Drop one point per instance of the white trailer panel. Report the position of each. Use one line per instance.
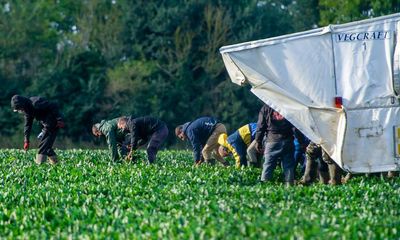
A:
(301, 74)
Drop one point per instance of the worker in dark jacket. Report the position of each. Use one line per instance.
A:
(116, 138)
(279, 135)
(49, 116)
(203, 134)
(238, 144)
(142, 130)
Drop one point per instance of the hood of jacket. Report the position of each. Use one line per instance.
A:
(185, 126)
(21, 103)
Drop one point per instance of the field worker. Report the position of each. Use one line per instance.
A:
(203, 134)
(116, 138)
(143, 130)
(238, 144)
(49, 116)
(300, 153)
(335, 172)
(278, 141)
(328, 170)
(314, 167)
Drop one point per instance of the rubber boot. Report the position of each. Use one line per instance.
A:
(40, 158)
(309, 173)
(210, 161)
(391, 174)
(289, 177)
(324, 177)
(257, 164)
(198, 163)
(253, 165)
(334, 174)
(347, 178)
(53, 160)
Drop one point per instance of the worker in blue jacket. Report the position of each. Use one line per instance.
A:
(203, 134)
(239, 145)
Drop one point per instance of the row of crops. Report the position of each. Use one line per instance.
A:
(87, 196)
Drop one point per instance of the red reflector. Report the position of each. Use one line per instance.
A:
(338, 102)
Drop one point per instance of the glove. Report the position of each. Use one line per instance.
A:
(26, 145)
(259, 147)
(130, 157)
(60, 124)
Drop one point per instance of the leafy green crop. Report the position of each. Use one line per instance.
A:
(87, 196)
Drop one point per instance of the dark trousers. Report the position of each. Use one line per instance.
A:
(314, 153)
(156, 140)
(47, 140)
(325, 166)
(314, 164)
(299, 158)
(283, 150)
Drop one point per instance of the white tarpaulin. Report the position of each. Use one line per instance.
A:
(299, 75)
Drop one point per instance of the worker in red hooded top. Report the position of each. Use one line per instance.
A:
(49, 116)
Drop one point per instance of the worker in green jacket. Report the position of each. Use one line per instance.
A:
(114, 136)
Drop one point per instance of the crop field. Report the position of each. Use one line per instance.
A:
(86, 196)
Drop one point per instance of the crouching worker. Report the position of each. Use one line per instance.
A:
(203, 134)
(49, 116)
(240, 145)
(143, 130)
(116, 138)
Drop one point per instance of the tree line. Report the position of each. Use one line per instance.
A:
(101, 59)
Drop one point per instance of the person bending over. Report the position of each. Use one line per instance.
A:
(203, 134)
(116, 138)
(240, 144)
(143, 129)
(48, 114)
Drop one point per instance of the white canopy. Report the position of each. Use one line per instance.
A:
(299, 75)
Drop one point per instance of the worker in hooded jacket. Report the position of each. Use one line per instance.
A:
(50, 118)
(117, 139)
(240, 144)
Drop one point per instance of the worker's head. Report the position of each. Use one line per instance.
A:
(180, 133)
(96, 130)
(223, 151)
(122, 122)
(18, 103)
(223, 145)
